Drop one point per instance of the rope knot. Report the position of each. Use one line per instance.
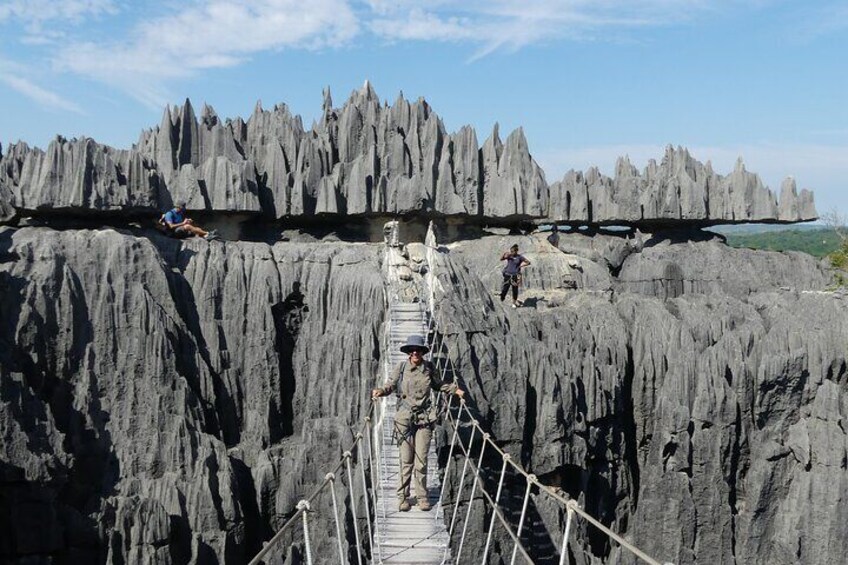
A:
(507, 457)
(347, 455)
(330, 477)
(358, 436)
(304, 505)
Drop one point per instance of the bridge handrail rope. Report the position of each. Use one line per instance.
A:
(304, 506)
(444, 355)
(369, 437)
(496, 512)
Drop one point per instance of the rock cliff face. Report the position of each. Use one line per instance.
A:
(693, 401)
(157, 401)
(170, 401)
(370, 159)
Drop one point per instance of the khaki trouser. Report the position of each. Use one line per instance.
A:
(414, 445)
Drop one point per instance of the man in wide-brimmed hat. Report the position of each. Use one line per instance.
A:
(413, 380)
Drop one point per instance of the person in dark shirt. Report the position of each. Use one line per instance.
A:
(180, 226)
(553, 238)
(512, 273)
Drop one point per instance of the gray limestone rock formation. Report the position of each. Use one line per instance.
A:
(362, 159)
(159, 402)
(678, 190)
(7, 211)
(371, 159)
(687, 420)
(80, 177)
(172, 401)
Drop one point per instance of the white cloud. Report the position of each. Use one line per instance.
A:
(420, 25)
(205, 36)
(35, 12)
(513, 24)
(41, 95)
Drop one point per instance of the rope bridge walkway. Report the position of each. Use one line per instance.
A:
(383, 534)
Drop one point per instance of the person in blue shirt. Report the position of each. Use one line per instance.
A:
(512, 273)
(179, 225)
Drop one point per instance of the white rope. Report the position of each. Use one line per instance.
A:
(471, 498)
(447, 358)
(332, 480)
(547, 490)
(303, 505)
(447, 465)
(461, 484)
(564, 549)
(365, 495)
(277, 538)
(431, 342)
(347, 456)
(381, 463)
(491, 503)
(374, 485)
(497, 499)
(521, 520)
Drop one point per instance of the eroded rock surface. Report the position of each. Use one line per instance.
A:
(155, 407)
(170, 402)
(369, 158)
(683, 411)
(679, 189)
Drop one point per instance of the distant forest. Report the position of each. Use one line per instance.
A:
(817, 242)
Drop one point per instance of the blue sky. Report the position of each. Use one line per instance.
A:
(589, 80)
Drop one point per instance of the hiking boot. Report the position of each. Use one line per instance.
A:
(404, 506)
(424, 505)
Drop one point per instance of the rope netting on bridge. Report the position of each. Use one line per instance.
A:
(467, 434)
(352, 462)
(464, 418)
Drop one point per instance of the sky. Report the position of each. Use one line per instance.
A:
(588, 80)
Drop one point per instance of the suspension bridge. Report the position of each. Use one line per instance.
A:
(367, 473)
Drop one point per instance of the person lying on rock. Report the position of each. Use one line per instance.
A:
(512, 273)
(412, 380)
(178, 225)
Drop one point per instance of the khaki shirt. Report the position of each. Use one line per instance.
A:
(415, 389)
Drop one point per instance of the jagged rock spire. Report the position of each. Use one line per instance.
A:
(368, 157)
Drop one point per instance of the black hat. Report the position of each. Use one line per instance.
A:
(414, 342)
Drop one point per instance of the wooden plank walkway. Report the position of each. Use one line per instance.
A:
(412, 537)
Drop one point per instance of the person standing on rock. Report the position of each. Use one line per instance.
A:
(512, 273)
(553, 238)
(180, 226)
(412, 380)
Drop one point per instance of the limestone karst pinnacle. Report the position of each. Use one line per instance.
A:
(368, 159)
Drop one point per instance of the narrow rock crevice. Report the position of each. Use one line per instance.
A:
(631, 450)
(288, 320)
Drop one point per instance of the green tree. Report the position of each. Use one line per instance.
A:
(839, 258)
